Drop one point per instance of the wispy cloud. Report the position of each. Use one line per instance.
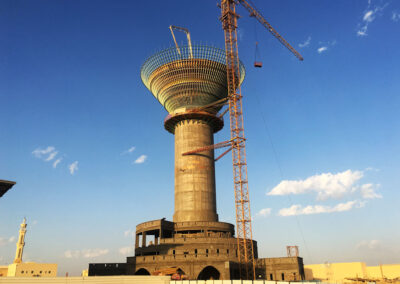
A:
(129, 233)
(39, 153)
(85, 253)
(328, 185)
(372, 169)
(73, 167)
(48, 154)
(326, 45)
(369, 15)
(395, 16)
(129, 151)
(141, 159)
(322, 49)
(5, 241)
(368, 191)
(56, 162)
(240, 33)
(318, 209)
(126, 250)
(305, 43)
(51, 156)
(372, 244)
(264, 212)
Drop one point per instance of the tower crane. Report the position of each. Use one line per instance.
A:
(242, 201)
(237, 142)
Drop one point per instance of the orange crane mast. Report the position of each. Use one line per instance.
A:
(242, 200)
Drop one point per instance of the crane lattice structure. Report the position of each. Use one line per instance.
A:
(242, 200)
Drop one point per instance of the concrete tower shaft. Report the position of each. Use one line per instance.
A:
(194, 174)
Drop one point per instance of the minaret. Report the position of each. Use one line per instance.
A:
(20, 243)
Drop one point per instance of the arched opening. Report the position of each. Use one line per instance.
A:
(178, 274)
(209, 273)
(142, 271)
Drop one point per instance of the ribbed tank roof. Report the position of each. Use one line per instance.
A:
(188, 78)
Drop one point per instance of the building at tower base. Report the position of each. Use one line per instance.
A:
(209, 251)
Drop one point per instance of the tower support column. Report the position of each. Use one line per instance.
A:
(195, 197)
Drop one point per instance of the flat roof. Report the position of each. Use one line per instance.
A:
(5, 185)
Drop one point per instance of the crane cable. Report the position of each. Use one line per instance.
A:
(257, 56)
(281, 174)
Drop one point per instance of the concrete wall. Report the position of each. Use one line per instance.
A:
(238, 282)
(3, 270)
(133, 280)
(32, 269)
(280, 268)
(389, 271)
(338, 272)
(88, 280)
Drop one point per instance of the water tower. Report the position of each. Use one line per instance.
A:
(189, 81)
(185, 80)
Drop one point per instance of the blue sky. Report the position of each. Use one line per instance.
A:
(323, 134)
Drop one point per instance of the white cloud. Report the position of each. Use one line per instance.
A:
(368, 191)
(48, 154)
(85, 253)
(305, 43)
(34, 222)
(326, 185)
(5, 241)
(56, 162)
(322, 49)
(73, 167)
(372, 169)
(264, 212)
(368, 17)
(372, 244)
(129, 233)
(126, 250)
(51, 156)
(39, 153)
(141, 159)
(129, 151)
(240, 33)
(395, 16)
(318, 209)
(89, 253)
(362, 31)
(72, 254)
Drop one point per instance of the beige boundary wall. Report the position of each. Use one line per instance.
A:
(238, 282)
(87, 280)
(131, 280)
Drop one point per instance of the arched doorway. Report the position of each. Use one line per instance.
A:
(142, 271)
(178, 274)
(209, 273)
